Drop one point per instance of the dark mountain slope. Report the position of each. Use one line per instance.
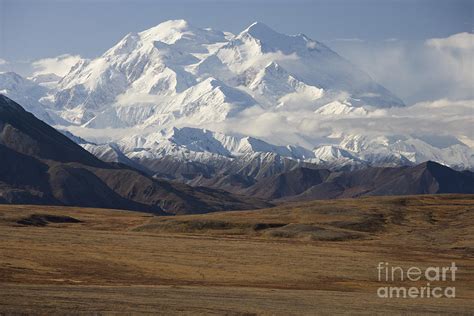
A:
(289, 183)
(22, 132)
(426, 178)
(39, 165)
(449, 180)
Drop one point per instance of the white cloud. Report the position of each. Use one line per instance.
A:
(461, 41)
(418, 71)
(260, 61)
(311, 44)
(440, 118)
(456, 56)
(3, 62)
(436, 120)
(59, 65)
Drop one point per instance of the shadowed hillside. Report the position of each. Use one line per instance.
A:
(42, 166)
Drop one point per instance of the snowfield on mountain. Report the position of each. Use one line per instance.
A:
(202, 95)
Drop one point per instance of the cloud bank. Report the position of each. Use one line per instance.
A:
(417, 71)
(59, 65)
(443, 118)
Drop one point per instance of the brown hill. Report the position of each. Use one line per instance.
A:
(426, 178)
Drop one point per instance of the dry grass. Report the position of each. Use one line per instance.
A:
(297, 259)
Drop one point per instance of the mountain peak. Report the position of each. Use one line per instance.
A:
(262, 32)
(270, 40)
(168, 32)
(178, 24)
(10, 75)
(183, 34)
(258, 28)
(125, 46)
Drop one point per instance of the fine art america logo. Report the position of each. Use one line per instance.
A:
(435, 281)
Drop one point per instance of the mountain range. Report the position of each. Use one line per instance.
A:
(309, 184)
(40, 165)
(180, 102)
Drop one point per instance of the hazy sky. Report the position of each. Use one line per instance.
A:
(374, 34)
(36, 29)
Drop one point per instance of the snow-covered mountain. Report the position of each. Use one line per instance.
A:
(171, 91)
(402, 150)
(27, 93)
(175, 73)
(184, 142)
(184, 145)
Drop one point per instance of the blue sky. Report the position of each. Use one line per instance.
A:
(34, 29)
(389, 39)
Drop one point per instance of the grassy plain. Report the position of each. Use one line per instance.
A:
(294, 259)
